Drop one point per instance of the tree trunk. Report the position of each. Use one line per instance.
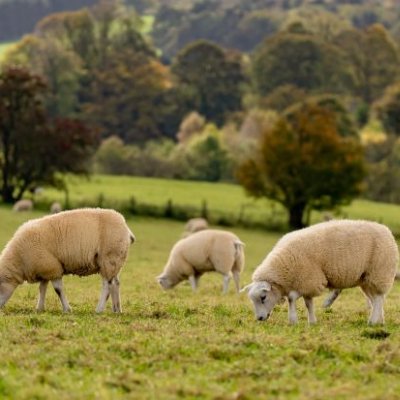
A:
(296, 212)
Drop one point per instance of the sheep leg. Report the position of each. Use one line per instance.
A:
(293, 296)
(310, 308)
(5, 293)
(194, 282)
(377, 316)
(113, 287)
(227, 279)
(236, 279)
(59, 289)
(42, 295)
(333, 295)
(105, 294)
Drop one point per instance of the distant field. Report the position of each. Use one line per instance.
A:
(222, 199)
(180, 345)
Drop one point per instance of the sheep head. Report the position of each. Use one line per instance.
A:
(264, 297)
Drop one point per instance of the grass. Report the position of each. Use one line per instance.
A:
(222, 199)
(180, 345)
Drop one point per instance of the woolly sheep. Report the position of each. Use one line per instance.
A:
(204, 251)
(79, 242)
(23, 205)
(55, 207)
(194, 225)
(336, 254)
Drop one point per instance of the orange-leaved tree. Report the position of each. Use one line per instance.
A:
(304, 164)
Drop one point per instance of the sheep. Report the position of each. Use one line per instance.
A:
(79, 242)
(23, 205)
(55, 207)
(336, 254)
(204, 251)
(194, 225)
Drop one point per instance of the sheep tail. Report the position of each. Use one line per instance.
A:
(239, 255)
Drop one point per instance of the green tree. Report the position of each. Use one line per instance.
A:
(372, 58)
(296, 58)
(34, 149)
(122, 96)
(60, 67)
(304, 164)
(213, 76)
(388, 109)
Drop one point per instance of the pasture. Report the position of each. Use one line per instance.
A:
(177, 344)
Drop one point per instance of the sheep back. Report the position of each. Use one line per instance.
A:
(334, 254)
(80, 242)
(23, 205)
(207, 250)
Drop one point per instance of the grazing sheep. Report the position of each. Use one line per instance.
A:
(79, 242)
(335, 255)
(55, 207)
(204, 251)
(194, 225)
(23, 205)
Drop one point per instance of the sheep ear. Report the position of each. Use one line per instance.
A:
(247, 287)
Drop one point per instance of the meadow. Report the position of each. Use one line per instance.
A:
(183, 345)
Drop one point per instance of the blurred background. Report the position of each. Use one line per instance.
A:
(295, 100)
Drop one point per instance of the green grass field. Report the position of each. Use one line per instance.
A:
(181, 345)
(222, 199)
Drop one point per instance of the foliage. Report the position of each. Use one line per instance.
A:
(296, 58)
(206, 156)
(344, 124)
(192, 124)
(383, 180)
(121, 97)
(214, 76)
(63, 145)
(373, 60)
(304, 164)
(154, 159)
(60, 67)
(388, 109)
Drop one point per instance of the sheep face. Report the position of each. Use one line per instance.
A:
(165, 282)
(264, 298)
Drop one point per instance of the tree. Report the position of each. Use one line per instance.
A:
(214, 77)
(33, 148)
(296, 58)
(372, 58)
(60, 67)
(125, 97)
(305, 164)
(388, 109)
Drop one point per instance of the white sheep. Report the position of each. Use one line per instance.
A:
(55, 207)
(336, 254)
(204, 251)
(23, 205)
(79, 242)
(194, 225)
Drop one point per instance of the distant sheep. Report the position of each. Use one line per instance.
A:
(195, 225)
(23, 205)
(204, 251)
(80, 242)
(55, 207)
(335, 255)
